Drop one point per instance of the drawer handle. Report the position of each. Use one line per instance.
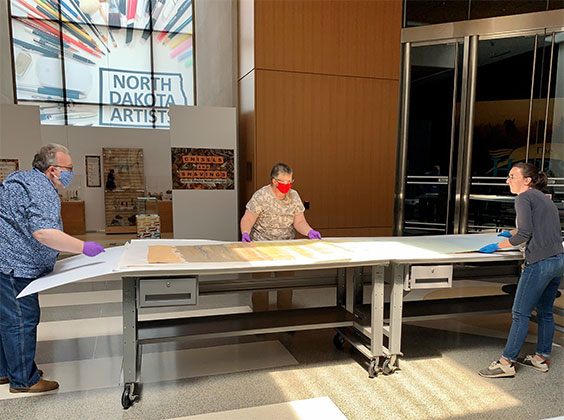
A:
(168, 296)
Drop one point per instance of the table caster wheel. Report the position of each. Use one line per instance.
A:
(373, 369)
(127, 397)
(338, 341)
(388, 367)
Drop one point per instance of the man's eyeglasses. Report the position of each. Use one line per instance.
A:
(69, 168)
(284, 182)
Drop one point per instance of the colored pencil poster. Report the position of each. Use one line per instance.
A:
(202, 169)
(118, 63)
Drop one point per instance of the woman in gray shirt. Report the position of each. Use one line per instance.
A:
(539, 229)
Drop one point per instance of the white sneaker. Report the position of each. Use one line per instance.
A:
(497, 370)
(531, 362)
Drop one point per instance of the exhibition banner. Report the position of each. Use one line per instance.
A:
(103, 62)
(202, 169)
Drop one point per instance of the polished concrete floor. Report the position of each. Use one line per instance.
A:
(297, 376)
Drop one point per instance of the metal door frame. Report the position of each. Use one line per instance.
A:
(401, 161)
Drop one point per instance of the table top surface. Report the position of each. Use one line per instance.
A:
(216, 257)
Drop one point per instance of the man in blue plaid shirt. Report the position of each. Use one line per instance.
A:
(31, 237)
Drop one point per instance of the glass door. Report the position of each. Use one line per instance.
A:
(552, 161)
(471, 107)
(434, 84)
(518, 117)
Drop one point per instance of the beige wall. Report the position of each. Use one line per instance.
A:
(216, 52)
(20, 133)
(6, 90)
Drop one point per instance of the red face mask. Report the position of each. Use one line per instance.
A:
(284, 188)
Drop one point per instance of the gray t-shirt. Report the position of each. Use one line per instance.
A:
(275, 218)
(538, 225)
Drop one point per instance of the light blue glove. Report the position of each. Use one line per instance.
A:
(488, 249)
(505, 234)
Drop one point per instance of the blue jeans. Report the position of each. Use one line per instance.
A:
(18, 332)
(537, 288)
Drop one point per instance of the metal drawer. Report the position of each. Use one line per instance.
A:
(177, 291)
(430, 276)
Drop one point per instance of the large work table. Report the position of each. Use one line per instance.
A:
(176, 272)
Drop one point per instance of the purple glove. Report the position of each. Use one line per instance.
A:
(91, 249)
(245, 237)
(313, 234)
(488, 249)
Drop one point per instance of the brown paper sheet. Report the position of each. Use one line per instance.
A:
(256, 251)
(162, 254)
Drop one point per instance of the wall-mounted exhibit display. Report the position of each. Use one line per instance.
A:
(7, 166)
(107, 63)
(93, 176)
(202, 169)
(124, 181)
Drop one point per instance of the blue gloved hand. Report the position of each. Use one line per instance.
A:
(91, 249)
(313, 234)
(245, 237)
(505, 234)
(488, 249)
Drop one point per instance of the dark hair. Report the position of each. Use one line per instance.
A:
(539, 180)
(280, 168)
(47, 156)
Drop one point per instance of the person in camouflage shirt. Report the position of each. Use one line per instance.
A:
(275, 212)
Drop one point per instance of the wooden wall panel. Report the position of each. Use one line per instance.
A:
(339, 134)
(344, 37)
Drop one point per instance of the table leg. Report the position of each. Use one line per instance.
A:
(396, 307)
(130, 361)
(377, 319)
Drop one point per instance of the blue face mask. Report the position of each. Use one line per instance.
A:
(66, 178)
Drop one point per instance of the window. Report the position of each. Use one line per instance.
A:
(118, 63)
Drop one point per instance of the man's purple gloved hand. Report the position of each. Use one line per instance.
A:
(91, 249)
(245, 237)
(313, 234)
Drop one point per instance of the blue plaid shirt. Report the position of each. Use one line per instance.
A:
(28, 202)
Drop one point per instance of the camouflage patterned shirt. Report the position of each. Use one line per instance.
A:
(275, 218)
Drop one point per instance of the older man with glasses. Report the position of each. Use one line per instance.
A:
(275, 212)
(31, 237)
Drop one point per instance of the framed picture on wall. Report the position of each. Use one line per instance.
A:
(93, 175)
(7, 166)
